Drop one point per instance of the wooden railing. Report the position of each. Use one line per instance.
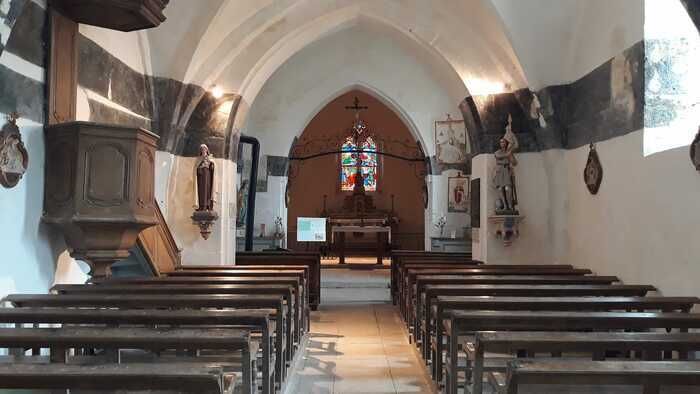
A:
(158, 246)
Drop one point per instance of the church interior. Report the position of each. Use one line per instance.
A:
(350, 196)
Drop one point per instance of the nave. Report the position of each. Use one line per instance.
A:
(187, 188)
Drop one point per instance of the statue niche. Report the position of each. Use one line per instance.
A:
(204, 215)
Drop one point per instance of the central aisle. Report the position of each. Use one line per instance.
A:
(358, 343)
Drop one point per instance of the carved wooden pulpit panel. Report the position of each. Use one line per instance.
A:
(99, 188)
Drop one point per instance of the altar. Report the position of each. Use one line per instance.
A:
(339, 231)
(360, 218)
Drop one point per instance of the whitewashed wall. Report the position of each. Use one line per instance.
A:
(34, 254)
(269, 205)
(174, 175)
(437, 207)
(32, 250)
(538, 230)
(219, 249)
(644, 223)
(132, 48)
(364, 57)
(560, 41)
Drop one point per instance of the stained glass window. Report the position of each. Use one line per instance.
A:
(368, 164)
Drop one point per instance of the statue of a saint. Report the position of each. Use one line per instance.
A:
(204, 185)
(504, 174)
(241, 203)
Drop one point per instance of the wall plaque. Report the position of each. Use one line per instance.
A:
(14, 158)
(593, 173)
(695, 151)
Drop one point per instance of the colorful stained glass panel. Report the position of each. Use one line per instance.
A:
(368, 164)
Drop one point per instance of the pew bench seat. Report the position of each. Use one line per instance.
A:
(178, 378)
(492, 351)
(232, 349)
(654, 377)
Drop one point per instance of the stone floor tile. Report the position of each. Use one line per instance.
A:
(358, 343)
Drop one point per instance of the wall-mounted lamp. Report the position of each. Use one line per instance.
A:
(217, 91)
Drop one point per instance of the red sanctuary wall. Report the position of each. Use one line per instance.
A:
(320, 176)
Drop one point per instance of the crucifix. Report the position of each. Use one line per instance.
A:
(356, 106)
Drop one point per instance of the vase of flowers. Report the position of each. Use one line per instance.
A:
(279, 230)
(440, 225)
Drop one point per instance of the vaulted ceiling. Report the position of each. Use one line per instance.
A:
(488, 43)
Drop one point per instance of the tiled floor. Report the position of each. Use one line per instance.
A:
(357, 342)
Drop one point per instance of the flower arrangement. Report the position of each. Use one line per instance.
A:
(440, 224)
(279, 231)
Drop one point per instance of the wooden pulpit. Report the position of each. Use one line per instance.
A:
(99, 189)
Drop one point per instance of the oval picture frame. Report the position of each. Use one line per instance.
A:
(593, 172)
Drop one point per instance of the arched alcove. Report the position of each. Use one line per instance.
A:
(312, 179)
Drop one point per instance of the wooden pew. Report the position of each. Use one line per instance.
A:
(398, 257)
(433, 327)
(500, 279)
(121, 320)
(403, 268)
(462, 323)
(293, 278)
(428, 293)
(310, 259)
(411, 271)
(651, 375)
(286, 291)
(534, 279)
(257, 270)
(31, 308)
(193, 378)
(61, 340)
(431, 292)
(593, 344)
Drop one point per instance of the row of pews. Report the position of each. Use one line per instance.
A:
(200, 329)
(543, 329)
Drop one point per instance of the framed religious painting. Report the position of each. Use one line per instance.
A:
(458, 194)
(450, 141)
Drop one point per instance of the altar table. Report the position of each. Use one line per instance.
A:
(342, 230)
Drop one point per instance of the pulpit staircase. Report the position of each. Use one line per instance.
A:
(155, 253)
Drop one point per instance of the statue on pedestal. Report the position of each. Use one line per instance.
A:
(504, 173)
(204, 215)
(204, 184)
